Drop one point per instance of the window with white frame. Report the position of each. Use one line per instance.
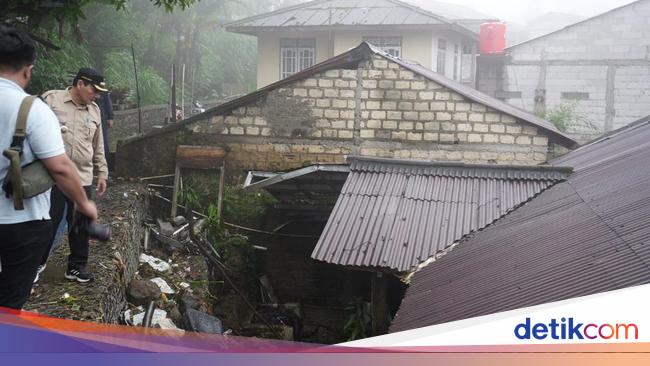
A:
(442, 56)
(390, 45)
(467, 63)
(296, 54)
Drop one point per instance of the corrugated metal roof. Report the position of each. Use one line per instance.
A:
(316, 184)
(587, 235)
(341, 12)
(395, 214)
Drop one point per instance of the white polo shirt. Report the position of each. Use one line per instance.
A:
(43, 141)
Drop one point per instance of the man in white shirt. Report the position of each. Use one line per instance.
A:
(26, 233)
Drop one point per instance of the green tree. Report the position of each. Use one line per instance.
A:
(54, 69)
(39, 12)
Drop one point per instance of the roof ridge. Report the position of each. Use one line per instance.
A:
(453, 164)
(421, 10)
(574, 24)
(274, 12)
(310, 3)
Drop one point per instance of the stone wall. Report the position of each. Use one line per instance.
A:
(600, 65)
(128, 246)
(380, 109)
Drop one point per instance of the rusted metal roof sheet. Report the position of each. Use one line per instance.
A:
(395, 214)
(587, 235)
(316, 184)
(339, 12)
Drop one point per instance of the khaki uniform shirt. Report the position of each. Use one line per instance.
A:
(82, 134)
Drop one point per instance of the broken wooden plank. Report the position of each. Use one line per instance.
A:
(199, 157)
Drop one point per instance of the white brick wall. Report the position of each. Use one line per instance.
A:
(618, 39)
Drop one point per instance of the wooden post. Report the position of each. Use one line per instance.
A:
(198, 157)
(183, 93)
(222, 173)
(378, 303)
(173, 93)
(177, 177)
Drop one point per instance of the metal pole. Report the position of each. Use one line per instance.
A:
(137, 90)
(177, 178)
(222, 174)
(192, 91)
(173, 93)
(183, 93)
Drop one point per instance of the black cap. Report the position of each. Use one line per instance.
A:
(92, 76)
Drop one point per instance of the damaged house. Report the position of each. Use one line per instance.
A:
(369, 104)
(391, 217)
(362, 102)
(584, 236)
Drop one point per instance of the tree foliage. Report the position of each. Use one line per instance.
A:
(567, 118)
(54, 69)
(100, 33)
(40, 12)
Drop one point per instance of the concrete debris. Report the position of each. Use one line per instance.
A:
(159, 318)
(179, 221)
(142, 292)
(188, 301)
(167, 240)
(201, 322)
(165, 227)
(162, 284)
(127, 317)
(155, 263)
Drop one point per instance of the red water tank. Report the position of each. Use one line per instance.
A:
(493, 38)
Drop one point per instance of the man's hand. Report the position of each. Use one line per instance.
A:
(88, 209)
(101, 187)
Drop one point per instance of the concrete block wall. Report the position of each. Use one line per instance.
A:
(606, 57)
(380, 110)
(622, 34)
(632, 93)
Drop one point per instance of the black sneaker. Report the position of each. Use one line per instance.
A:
(80, 276)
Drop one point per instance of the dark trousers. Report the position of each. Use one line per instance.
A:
(21, 249)
(107, 147)
(78, 239)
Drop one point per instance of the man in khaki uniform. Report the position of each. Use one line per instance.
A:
(80, 121)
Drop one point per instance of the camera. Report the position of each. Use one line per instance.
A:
(98, 231)
(95, 230)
